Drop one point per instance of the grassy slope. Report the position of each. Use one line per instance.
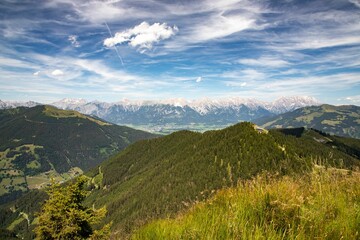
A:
(157, 178)
(338, 120)
(324, 204)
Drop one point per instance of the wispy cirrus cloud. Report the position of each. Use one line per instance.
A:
(264, 61)
(353, 99)
(355, 2)
(265, 48)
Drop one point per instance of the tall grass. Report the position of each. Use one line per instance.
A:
(323, 204)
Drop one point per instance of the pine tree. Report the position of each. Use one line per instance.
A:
(63, 215)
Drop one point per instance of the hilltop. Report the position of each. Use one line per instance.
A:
(156, 178)
(44, 142)
(337, 120)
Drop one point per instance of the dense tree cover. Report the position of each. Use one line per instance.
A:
(74, 138)
(29, 203)
(319, 147)
(63, 215)
(159, 177)
(156, 178)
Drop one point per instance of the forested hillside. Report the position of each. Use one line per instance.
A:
(43, 142)
(337, 120)
(157, 178)
(162, 176)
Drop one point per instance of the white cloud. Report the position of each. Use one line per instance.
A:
(142, 36)
(36, 73)
(235, 84)
(17, 63)
(57, 72)
(220, 25)
(106, 73)
(74, 41)
(199, 79)
(333, 82)
(265, 61)
(356, 2)
(353, 99)
(246, 74)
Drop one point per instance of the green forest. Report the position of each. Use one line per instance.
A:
(44, 142)
(166, 176)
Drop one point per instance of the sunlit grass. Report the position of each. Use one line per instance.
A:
(323, 204)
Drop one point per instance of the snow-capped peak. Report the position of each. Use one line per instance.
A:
(72, 101)
(69, 103)
(286, 104)
(14, 104)
(203, 106)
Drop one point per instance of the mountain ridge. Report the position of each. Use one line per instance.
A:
(44, 142)
(202, 106)
(338, 120)
(169, 115)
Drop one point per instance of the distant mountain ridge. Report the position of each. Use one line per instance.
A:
(175, 114)
(339, 120)
(202, 106)
(14, 104)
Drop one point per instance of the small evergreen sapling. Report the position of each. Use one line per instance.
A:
(63, 215)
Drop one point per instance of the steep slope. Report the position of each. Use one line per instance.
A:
(159, 177)
(43, 142)
(338, 120)
(321, 203)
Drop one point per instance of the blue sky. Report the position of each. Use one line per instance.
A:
(116, 49)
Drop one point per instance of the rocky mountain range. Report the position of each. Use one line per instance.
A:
(173, 114)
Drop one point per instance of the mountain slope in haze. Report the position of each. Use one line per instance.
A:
(42, 142)
(159, 177)
(337, 120)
